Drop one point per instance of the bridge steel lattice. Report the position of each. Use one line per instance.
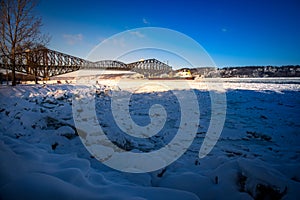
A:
(46, 63)
(108, 64)
(150, 67)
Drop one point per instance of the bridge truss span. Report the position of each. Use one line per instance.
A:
(150, 67)
(43, 63)
(46, 63)
(108, 64)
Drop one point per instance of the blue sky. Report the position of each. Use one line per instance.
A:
(233, 32)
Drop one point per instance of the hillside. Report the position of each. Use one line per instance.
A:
(248, 71)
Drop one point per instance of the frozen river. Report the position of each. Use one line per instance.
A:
(256, 156)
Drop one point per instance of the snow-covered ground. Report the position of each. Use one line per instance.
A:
(256, 157)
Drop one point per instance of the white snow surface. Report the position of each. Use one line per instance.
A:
(256, 157)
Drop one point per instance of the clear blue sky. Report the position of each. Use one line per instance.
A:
(233, 32)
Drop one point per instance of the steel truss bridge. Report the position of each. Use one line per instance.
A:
(45, 63)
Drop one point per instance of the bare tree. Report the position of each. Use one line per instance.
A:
(20, 30)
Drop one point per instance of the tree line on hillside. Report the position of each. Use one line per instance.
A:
(248, 71)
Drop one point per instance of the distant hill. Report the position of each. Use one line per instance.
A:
(248, 71)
